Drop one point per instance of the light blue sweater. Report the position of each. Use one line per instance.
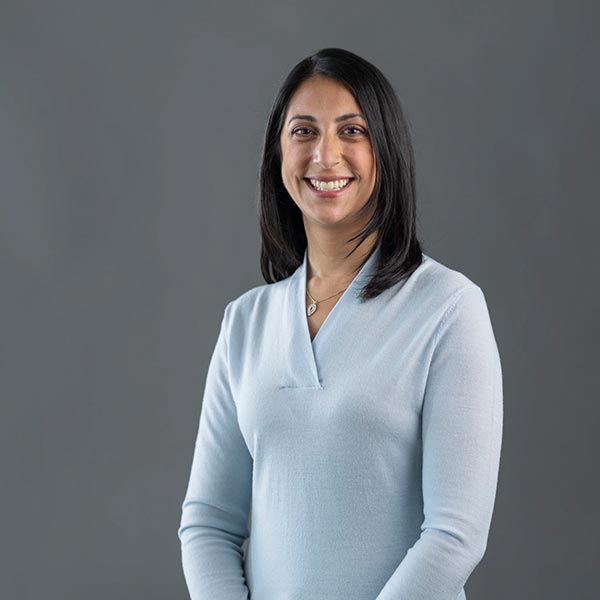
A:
(369, 457)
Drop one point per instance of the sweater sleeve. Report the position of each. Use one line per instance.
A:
(215, 510)
(461, 434)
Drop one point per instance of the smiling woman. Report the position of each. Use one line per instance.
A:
(351, 420)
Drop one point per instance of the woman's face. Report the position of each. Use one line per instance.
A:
(324, 137)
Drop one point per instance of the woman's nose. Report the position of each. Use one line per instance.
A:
(327, 150)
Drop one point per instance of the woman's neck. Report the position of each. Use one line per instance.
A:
(327, 262)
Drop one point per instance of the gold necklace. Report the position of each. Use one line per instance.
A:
(313, 307)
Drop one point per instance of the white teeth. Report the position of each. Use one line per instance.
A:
(328, 186)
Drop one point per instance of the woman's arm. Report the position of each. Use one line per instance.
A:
(462, 432)
(214, 518)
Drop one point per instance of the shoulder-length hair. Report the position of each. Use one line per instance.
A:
(394, 194)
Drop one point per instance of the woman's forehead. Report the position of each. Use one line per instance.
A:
(323, 94)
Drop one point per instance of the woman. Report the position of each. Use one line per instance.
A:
(352, 414)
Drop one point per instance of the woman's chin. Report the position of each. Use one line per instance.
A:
(329, 217)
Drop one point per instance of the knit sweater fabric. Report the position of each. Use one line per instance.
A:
(361, 465)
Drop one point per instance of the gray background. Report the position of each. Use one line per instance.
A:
(130, 137)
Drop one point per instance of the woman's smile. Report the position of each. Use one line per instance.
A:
(328, 189)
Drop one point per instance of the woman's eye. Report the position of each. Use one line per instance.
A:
(355, 129)
(300, 129)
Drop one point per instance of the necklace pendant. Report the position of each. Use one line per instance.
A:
(311, 309)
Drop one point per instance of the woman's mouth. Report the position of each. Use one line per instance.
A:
(328, 189)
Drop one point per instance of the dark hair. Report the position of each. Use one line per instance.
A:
(282, 228)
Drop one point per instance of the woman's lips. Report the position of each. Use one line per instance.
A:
(328, 193)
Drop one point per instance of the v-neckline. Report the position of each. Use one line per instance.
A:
(309, 349)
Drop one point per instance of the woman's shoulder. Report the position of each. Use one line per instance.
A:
(437, 282)
(256, 301)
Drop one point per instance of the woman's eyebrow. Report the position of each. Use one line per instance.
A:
(338, 119)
